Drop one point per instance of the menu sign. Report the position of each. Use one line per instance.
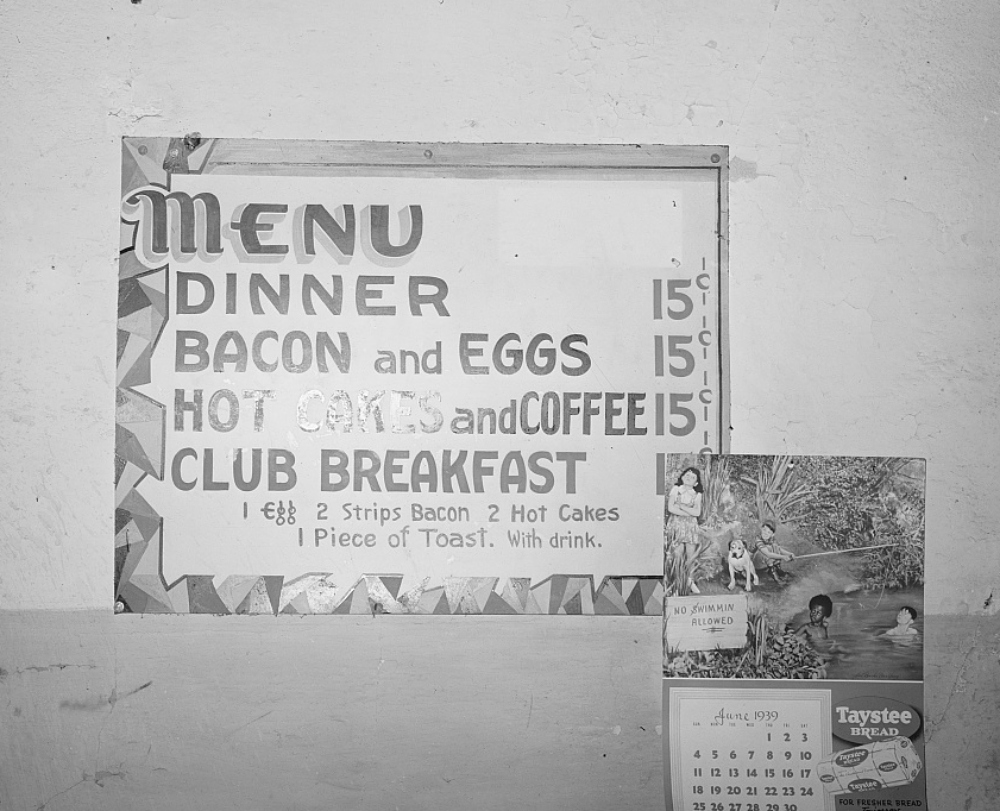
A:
(425, 379)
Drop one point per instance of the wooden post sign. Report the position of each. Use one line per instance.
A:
(411, 378)
(705, 623)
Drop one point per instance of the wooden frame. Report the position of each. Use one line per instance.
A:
(167, 164)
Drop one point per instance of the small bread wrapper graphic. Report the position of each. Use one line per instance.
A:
(884, 764)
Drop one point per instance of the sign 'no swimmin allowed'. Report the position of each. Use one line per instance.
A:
(705, 623)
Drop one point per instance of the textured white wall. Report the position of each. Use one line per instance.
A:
(864, 188)
(863, 248)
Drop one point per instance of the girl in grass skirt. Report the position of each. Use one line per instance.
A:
(688, 555)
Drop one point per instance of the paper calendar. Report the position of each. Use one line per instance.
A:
(735, 749)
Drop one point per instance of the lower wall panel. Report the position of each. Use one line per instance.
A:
(150, 712)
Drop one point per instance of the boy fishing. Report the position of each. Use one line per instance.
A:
(767, 554)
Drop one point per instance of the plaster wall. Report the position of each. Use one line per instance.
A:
(862, 298)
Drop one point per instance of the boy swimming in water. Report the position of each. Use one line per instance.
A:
(904, 624)
(820, 609)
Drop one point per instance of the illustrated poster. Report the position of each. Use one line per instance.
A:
(793, 633)
(389, 378)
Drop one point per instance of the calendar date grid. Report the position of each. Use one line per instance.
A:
(738, 753)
